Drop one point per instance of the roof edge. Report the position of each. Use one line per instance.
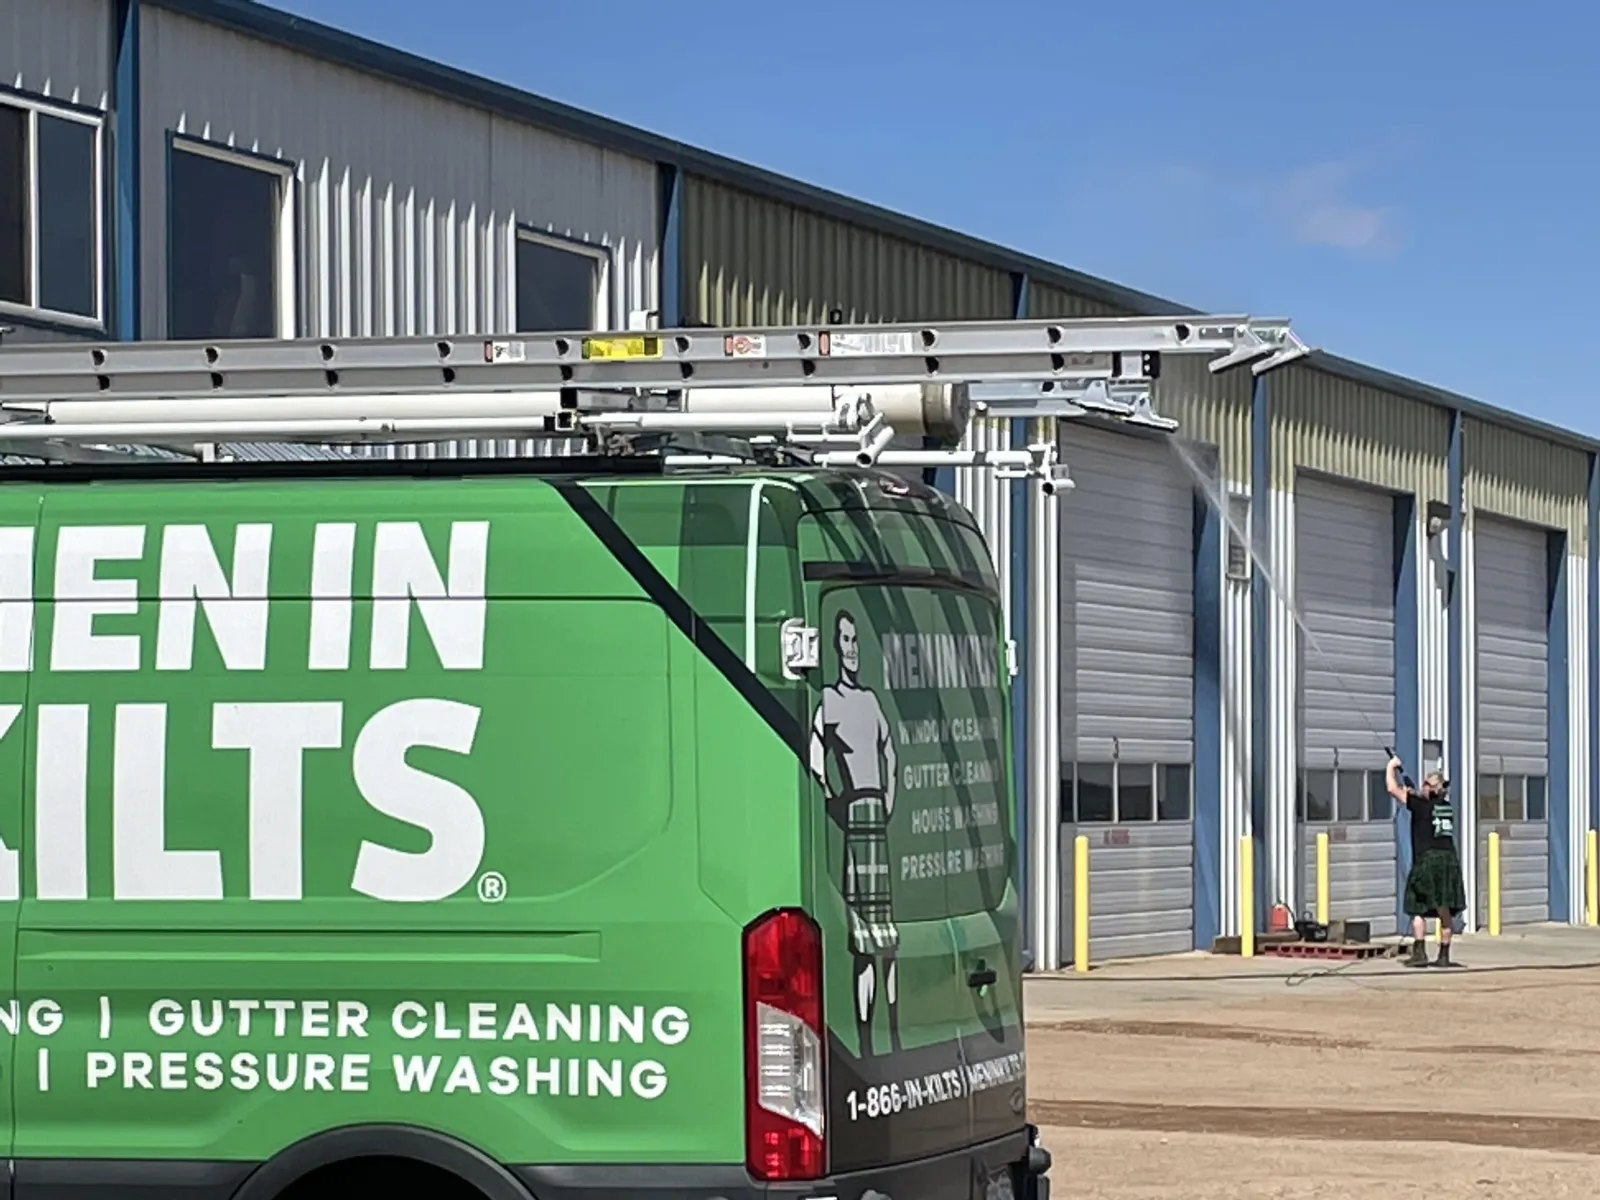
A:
(399, 66)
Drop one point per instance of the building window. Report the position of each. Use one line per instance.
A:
(562, 286)
(51, 221)
(1512, 798)
(1124, 793)
(231, 245)
(1344, 796)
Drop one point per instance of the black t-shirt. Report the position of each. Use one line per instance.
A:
(1433, 823)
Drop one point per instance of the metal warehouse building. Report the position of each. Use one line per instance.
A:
(214, 168)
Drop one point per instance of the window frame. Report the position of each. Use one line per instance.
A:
(35, 106)
(1499, 779)
(1067, 782)
(604, 302)
(286, 287)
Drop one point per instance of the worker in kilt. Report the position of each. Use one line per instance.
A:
(1434, 886)
(852, 755)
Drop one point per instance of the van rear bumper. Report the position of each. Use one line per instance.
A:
(961, 1175)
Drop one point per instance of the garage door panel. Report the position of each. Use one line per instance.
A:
(1127, 600)
(1511, 644)
(1345, 588)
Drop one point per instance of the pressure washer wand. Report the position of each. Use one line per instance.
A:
(1404, 778)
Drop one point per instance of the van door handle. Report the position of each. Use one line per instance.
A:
(982, 977)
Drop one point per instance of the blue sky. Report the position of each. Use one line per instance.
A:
(1414, 184)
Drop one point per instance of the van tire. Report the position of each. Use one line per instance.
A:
(362, 1160)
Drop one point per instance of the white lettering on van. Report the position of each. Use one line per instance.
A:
(404, 570)
(80, 597)
(16, 598)
(10, 868)
(277, 737)
(142, 866)
(333, 556)
(397, 789)
(61, 803)
(236, 608)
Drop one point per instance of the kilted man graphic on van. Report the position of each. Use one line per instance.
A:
(852, 753)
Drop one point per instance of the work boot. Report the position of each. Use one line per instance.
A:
(1444, 957)
(1419, 954)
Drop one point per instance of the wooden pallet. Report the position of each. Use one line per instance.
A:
(1229, 943)
(1328, 949)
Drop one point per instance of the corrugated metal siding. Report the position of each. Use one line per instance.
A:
(1046, 301)
(1433, 632)
(1362, 883)
(1527, 478)
(748, 260)
(1237, 737)
(1320, 423)
(1127, 601)
(408, 202)
(1283, 739)
(1345, 593)
(1578, 748)
(1209, 408)
(1141, 890)
(58, 48)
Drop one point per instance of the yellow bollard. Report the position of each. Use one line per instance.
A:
(1247, 897)
(1080, 903)
(1494, 885)
(1322, 879)
(1591, 880)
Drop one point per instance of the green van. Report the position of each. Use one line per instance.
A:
(561, 830)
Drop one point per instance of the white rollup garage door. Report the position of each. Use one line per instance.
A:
(1511, 574)
(1127, 707)
(1344, 563)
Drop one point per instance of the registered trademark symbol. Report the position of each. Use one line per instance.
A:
(491, 887)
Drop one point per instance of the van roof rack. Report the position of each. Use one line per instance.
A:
(811, 395)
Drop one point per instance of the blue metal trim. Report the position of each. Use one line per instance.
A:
(183, 141)
(1593, 656)
(1407, 683)
(1260, 631)
(1558, 795)
(1019, 634)
(10, 318)
(1207, 775)
(1456, 628)
(56, 102)
(123, 252)
(671, 233)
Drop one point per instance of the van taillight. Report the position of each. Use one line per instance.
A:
(785, 1099)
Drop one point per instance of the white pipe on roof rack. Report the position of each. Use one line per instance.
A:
(530, 406)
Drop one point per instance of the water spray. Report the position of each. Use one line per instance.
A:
(1211, 488)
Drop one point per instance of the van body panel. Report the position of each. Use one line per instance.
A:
(442, 804)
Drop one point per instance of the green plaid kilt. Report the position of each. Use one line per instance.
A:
(1435, 883)
(868, 896)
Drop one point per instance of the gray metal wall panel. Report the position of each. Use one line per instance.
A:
(1511, 571)
(1127, 600)
(1362, 883)
(1524, 872)
(1141, 889)
(409, 202)
(58, 48)
(1345, 592)
(753, 260)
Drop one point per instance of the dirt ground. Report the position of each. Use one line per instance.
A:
(1379, 1083)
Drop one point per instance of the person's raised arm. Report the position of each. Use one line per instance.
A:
(1397, 789)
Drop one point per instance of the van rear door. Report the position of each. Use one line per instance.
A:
(911, 686)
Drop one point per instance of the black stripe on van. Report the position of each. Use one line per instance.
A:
(682, 614)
